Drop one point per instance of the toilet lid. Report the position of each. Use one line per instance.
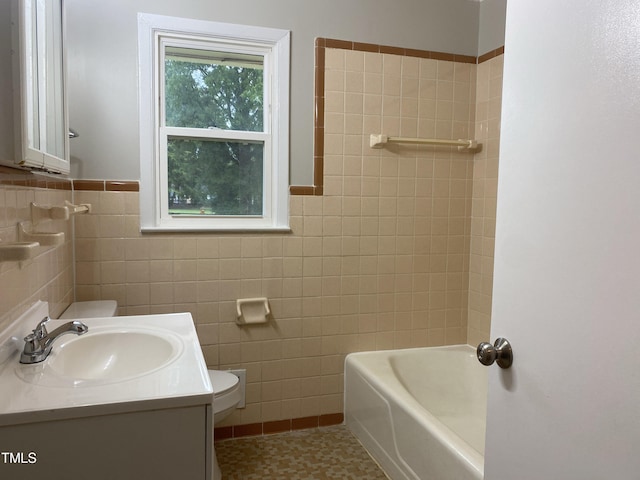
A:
(222, 381)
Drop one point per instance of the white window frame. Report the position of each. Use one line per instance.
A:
(153, 32)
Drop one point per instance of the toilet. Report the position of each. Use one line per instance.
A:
(226, 394)
(93, 309)
(226, 397)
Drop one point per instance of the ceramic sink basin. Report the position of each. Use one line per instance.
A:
(105, 354)
(113, 355)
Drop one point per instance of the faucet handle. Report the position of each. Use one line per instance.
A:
(40, 331)
(31, 343)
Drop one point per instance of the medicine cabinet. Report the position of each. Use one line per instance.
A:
(41, 130)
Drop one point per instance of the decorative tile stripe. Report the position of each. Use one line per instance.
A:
(26, 178)
(278, 426)
(89, 185)
(330, 419)
(489, 55)
(319, 75)
(303, 189)
(407, 52)
(118, 186)
(106, 185)
(319, 453)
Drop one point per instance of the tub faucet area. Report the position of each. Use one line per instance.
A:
(38, 344)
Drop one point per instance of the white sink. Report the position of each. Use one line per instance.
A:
(103, 355)
(122, 364)
(113, 355)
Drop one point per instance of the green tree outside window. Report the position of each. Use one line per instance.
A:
(214, 177)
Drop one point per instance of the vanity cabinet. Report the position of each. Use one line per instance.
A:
(98, 423)
(35, 131)
(163, 444)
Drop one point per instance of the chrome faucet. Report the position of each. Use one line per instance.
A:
(38, 344)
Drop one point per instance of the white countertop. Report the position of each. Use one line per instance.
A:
(183, 382)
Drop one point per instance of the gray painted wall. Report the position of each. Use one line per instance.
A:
(491, 25)
(102, 66)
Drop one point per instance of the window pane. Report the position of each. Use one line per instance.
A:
(209, 89)
(209, 177)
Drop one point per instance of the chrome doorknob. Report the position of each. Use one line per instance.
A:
(500, 352)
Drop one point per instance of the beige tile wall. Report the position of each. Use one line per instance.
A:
(49, 275)
(415, 201)
(381, 260)
(485, 186)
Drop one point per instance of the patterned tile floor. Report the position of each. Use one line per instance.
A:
(317, 454)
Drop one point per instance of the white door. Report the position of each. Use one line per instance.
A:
(567, 261)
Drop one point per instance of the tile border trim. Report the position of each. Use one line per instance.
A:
(319, 74)
(107, 185)
(25, 178)
(489, 55)
(277, 426)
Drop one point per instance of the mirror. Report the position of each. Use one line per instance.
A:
(44, 142)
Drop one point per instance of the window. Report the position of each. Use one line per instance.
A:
(214, 124)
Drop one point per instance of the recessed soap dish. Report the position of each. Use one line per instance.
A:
(17, 251)
(47, 239)
(252, 310)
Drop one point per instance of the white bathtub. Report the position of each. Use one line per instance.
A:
(419, 412)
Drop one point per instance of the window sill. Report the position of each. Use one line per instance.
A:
(260, 229)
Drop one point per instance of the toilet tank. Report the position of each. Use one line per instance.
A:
(93, 309)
